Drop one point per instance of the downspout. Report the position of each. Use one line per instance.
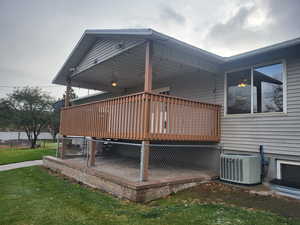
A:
(264, 162)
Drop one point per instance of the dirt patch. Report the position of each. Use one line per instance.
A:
(216, 192)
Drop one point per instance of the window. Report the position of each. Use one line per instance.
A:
(239, 92)
(289, 172)
(268, 88)
(255, 90)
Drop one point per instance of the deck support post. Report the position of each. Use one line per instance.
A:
(144, 161)
(145, 149)
(92, 147)
(64, 146)
(148, 66)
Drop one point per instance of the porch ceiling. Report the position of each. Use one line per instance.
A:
(127, 69)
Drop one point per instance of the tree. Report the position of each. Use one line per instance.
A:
(72, 95)
(54, 124)
(28, 109)
(278, 98)
(275, 102)
(55, 116)
(4, 115)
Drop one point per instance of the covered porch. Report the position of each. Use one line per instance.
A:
(140, 106)
(136, 71)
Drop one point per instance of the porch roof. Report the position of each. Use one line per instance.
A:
(171, 57)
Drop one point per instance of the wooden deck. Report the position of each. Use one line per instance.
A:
(144, 116)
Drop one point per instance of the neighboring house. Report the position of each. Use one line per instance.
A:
(250, 99)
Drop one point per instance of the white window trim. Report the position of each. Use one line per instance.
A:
(278, 166)
(252, 114)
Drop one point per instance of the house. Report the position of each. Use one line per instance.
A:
(170, 108)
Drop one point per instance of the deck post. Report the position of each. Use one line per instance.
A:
(64, 146)
(68, 92)
(145, 148)
(148, 66)
(92, 146)
(144, 161)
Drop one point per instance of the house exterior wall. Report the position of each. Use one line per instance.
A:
(278, 133)
(93, 98)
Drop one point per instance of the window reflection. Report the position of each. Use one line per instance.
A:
(239, 92)
(268, 88)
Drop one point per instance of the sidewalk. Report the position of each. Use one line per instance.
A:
(20, 165)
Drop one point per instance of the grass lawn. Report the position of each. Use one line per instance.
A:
(33, 196)
(20, 155)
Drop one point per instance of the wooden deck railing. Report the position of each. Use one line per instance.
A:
(144, 116)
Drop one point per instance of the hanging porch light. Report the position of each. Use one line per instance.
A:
(243, 83)
(114, 84)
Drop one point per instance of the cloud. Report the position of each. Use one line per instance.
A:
(234, 34)
(168, 14)
(37, 36)
(286, 16)
(252, 26)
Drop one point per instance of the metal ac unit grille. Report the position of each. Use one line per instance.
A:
(240, 168)
(232, 169)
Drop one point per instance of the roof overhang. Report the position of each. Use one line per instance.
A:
(283, 50)
(169, 52)
(163, 45)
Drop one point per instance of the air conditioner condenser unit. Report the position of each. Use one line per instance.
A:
(241, 169)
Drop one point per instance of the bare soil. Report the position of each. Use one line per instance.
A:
(217, 192)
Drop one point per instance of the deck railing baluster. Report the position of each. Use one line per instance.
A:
(144, 115)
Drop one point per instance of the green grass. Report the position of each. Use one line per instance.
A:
(20, 155)
(32, 196)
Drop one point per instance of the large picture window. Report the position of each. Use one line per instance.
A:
(256, 90)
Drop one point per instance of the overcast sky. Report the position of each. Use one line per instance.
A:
(38, 35)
